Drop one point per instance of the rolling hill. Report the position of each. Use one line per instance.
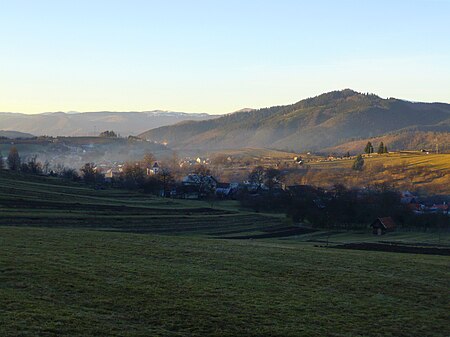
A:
(10, 134)
(92, 123)
(313, 124)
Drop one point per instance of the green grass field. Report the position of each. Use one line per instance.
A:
(79, 262)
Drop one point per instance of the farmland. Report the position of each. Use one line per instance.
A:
(420, 172)
(44, 201)
(82, 262)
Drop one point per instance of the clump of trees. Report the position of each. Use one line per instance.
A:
(108, 134)
(32, 166)
(342, 208)
(369, 148)
(382, 148)
(268, 177)
(265, 190)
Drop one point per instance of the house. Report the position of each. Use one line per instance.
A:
(203, 184)
(153, 170)
(408, 198)
(223, 189)
(197, 179)
(112, 174)
(437, 209)
(382, 225)
(226, 190)
(298, 160)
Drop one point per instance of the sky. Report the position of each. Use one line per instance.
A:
(217, 56)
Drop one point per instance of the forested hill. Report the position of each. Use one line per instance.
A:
(312, 124)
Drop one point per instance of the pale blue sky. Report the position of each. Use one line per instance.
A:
(217, 56)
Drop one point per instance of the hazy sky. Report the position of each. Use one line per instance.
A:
(217, 56)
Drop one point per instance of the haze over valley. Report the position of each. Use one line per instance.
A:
(92, 123)
(225, 168)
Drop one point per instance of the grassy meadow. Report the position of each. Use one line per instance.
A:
(75, 261)
(425, 174)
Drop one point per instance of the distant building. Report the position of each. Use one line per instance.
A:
(111, 174)
(382, 225)
(197, 180)
(155, 169)
(226, 190)
(437, 209)
(408, 198)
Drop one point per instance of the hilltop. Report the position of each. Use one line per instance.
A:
(92, 123)
(311, 124)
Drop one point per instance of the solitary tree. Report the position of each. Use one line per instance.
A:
(88, 171)
(385, 150)
(166, 178)
(369, 148)
(202, 178)
(134, 175)
(358, 164)
(148, 160)
(381, 148)
(2, 164)
(13, 159)
(257, 176)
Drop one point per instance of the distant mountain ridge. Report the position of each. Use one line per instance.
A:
(92, 123)
(312, 124)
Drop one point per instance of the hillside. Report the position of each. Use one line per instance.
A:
(83, 262)
(425, 174)
(312, 124)
(14, 134)
(408, 140)
(92, 123)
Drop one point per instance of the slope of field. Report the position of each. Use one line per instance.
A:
(65, 282)
(312, 124)
(408, 158)
(427, 174)
(82, 262)
(412, 140)
(50, 202)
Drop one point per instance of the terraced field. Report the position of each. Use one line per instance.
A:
(75, 261)
(50, 202)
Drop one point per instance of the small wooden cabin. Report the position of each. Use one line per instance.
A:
(382, 225)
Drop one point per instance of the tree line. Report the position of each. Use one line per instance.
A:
(15, 163)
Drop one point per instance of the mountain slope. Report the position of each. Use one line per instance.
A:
(312, 124)
(14, 134)
(92, 123)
